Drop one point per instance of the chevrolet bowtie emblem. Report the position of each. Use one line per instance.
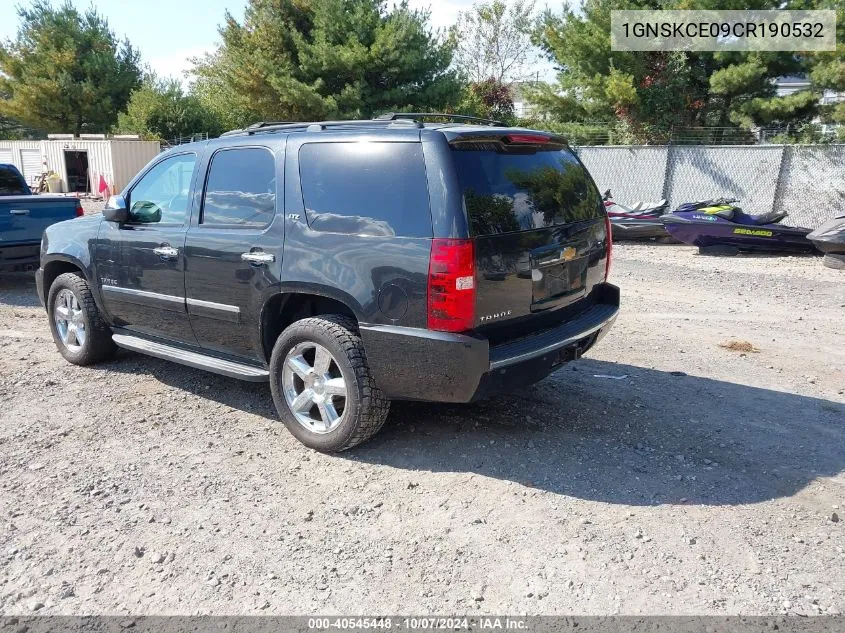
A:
(568, 253)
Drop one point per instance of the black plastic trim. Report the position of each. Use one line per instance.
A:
(418, 364)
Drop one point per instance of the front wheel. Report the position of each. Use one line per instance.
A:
(322, 386)
(78, 328)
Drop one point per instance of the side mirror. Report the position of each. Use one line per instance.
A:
(116, 210)
(145, 212)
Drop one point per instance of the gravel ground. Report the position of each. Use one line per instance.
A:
(662, 474)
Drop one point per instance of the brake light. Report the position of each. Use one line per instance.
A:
(531, 139)
(451, 285)
(607, 228)
(79, 210)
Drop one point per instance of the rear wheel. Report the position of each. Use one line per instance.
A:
(78, 328)
(832, 260)
(322, 387)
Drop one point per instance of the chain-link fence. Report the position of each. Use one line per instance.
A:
(806, 181)
(605, 133)
(181, 140)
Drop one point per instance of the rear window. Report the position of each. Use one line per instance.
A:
(365, 188)
(518, 189)
(11, 183)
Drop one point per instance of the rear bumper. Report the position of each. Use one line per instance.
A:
(21, 257)
(417, 364)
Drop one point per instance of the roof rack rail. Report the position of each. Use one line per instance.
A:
(322, 125)
(316, 126)
(261, 124)
(395, 116)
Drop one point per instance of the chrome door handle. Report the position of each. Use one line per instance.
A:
(258, 257)
(19, 212)
(167, 252)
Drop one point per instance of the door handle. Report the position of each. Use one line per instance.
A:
(166, 252)
(258, 258)
(19, 212)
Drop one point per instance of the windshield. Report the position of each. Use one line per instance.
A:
(518, 189)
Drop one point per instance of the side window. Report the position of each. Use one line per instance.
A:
(241, 188)
(162, 194)
(365, 188)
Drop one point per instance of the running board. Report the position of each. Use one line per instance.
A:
(192, 359)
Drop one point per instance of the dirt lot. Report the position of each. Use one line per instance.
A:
(663, 474)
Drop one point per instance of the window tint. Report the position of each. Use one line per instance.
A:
(241, 188)
(365, 188)
(11, 183)
(518, 189)
(162, 194)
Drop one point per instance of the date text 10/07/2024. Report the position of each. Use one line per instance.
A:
(432, 623)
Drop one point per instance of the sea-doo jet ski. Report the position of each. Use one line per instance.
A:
(719, 226)
(640, 221)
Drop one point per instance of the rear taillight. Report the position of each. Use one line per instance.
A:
(451, 285)
(607, 228)
(79, 210)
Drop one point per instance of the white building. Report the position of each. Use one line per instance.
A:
(795, 83)
(81, 161)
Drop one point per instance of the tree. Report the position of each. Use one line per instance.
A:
(490, 99)
(650, 93)
(66, 71)
(494, 41)
(160, 109)
(827, 68)
(293, 60)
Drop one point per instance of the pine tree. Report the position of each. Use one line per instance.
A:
(291, 61)
(66, 71)
(650, 93)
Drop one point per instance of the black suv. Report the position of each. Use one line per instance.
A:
(349, 263)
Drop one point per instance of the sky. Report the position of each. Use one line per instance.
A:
(169, 32)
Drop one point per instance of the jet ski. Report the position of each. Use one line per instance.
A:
(720, 227)
(829, 238)
(640, 221)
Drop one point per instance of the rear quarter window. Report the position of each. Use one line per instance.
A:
(509, 189)
(369, 188)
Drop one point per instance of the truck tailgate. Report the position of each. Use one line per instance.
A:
(24, 218)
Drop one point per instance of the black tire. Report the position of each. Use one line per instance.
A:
(98, 344)
(832, 260)
(365, 406)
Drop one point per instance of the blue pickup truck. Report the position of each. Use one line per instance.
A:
(23, 218)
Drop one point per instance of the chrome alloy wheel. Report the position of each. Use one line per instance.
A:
(314, 387)
(70, 321)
